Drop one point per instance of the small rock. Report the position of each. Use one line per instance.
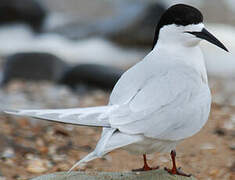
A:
(33, 66)
(26, 11)
(59, 158)
(8, 153)
(61, 132)
(14, 147)
(30, 156)
(232, 146)
(36, 166)
(220, 131)
(93, 75)
(52, 149)
(132, 23)
(63, 167)
(163, 159)
(139, 28)
(10, 162)
(214, 172)
(43, 149)
(65, 148)
(232, 168)
(207, 146)
(229, 125)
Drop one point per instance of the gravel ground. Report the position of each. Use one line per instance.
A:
(31, 148)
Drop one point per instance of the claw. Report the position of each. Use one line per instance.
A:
(177, 172)
(145, 167)
(174, 170)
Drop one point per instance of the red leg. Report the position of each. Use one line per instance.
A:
(146, 166)
(175, 170)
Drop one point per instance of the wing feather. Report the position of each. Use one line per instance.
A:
(160, 107)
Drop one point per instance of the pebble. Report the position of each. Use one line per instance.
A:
(43, 149)
(207, 146)
(232, 146)
(163, 159)
(18, 95)
(63, 167)
(232, 168)
(233, 119)
(8, 153)
(10, 162)
(220, 131)
(52, 149)
(29, 156)
(214, 172)
(36, 166)
(59, 158)
(229, 125)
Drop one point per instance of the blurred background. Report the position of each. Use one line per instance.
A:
(70, 53)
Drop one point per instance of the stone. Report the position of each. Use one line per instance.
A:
(33, 66)
(15, 147)
(36, 166)
(232, 168)
(139, 31)
(232, 146)
(27, 11)
(93, 75)
(8, 153)
(220, 131)
(149, 175)
(207, 146)
(132, 23)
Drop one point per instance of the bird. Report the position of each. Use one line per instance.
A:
(159, 101)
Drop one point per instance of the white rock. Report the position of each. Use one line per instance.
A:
(207, 146)
(36, 166)
(8, 153)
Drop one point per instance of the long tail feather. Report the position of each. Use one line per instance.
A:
(89, 157)
(94, 116)
(111, 139)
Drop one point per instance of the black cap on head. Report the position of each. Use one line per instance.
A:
(181, 15)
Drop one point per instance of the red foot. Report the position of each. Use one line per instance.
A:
(177, 172)
(145, 169)
(146, 166)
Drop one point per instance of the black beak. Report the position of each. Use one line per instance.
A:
(204, 34)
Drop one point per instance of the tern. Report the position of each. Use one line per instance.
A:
(157, 103)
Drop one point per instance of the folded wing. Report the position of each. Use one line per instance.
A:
(162, 106)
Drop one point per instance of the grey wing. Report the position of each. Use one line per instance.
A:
(159, 108)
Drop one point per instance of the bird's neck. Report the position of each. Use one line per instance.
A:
(190, 55)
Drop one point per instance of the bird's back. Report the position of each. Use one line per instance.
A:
(157, 94)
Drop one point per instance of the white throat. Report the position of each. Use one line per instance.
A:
(174, 44)
(172, 35)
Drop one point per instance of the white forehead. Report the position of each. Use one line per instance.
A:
(175, 33)
(194, 27)
(177, 28)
